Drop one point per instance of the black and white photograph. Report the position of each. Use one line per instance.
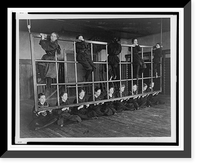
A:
(98, 81)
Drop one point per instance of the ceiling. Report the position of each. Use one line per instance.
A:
(100, 28)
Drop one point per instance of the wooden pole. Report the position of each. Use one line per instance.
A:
(151, 66)
(107, 71)
(65, 67)
(142, 73)
(57, 83)
(120, 74)
(76, 78)
(160, 65)
(92, 57)
(132, 70)
(33, 65)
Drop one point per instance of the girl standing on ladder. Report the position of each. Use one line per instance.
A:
(48, 70)
(83, 56)
(138, 62)
(157, 53)
(114, 49)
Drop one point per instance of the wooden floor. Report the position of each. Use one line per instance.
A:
(147, 122)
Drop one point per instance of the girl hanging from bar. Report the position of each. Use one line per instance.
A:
(83, 56)
(114, 49)
(138, 62)
(47, 71)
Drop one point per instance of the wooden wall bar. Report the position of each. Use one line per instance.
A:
(26, 79)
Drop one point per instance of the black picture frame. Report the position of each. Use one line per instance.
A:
(188, 116)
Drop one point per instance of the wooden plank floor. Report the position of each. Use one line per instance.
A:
(147, 122)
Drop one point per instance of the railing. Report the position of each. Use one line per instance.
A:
(93, 82)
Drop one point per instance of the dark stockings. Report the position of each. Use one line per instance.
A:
(88, 73)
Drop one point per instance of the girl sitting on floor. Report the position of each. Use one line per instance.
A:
(121, 105)
(133, 102)
(64, 114)
(108, 107)
(153, 99)
(83, 110)
(97, 107)
(42, 118)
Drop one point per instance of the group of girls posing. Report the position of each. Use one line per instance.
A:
(86, 111)
(47, 72)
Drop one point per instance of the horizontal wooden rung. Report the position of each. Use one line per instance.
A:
(100, 101)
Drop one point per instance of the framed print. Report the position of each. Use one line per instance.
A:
(99, 82)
